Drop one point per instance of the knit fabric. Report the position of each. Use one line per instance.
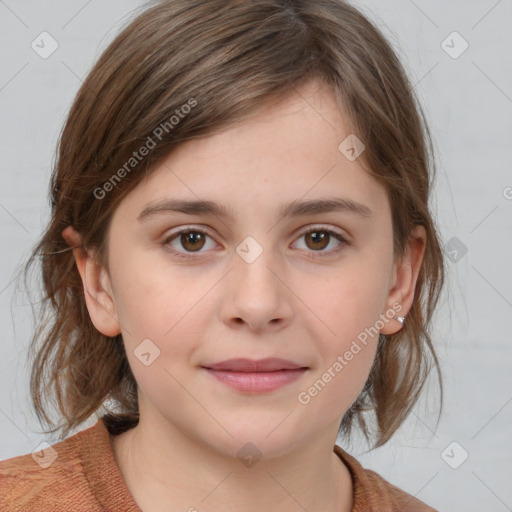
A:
(85, 477)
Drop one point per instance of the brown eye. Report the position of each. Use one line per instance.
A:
(186, 242)
(317, 240)
(192, 240)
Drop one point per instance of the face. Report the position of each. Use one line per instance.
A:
(258, 278)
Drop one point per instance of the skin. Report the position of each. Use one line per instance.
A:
(216, 306)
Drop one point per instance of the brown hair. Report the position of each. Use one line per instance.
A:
(227, 58)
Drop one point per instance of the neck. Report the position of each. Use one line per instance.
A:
(177, 473)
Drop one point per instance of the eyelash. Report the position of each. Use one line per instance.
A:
(314, 254)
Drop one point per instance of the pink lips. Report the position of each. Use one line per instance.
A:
(256, 376)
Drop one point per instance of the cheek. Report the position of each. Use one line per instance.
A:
(161, 330)
(349, 304)
(348, 300)
(152, 295)
(345, 361)
(346, 343)
(167, 308)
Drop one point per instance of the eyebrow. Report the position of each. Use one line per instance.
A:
(293, 209)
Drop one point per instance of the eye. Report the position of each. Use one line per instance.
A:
(190, 239)
(318, 238)
(193, 240)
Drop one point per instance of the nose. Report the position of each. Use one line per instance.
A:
(257, 297)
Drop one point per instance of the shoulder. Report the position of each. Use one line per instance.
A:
(374, 493)
(59, 477)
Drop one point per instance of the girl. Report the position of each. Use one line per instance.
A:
(239, 266)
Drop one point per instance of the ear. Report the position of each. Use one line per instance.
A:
(405, 276)
(99, 297)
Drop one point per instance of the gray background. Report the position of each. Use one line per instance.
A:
(468, 101)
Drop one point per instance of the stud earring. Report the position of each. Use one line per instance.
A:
(400, 319)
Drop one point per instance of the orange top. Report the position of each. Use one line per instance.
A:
(85, 477)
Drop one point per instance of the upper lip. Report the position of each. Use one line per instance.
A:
(270, 364)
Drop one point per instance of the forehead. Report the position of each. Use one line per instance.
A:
(286, 152)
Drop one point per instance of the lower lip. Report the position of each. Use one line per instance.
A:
(259, 382)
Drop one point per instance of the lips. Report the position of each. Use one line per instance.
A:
(271, 364)
(256, 376)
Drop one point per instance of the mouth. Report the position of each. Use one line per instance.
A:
(259, 376)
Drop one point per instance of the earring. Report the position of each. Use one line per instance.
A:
(400, 319)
